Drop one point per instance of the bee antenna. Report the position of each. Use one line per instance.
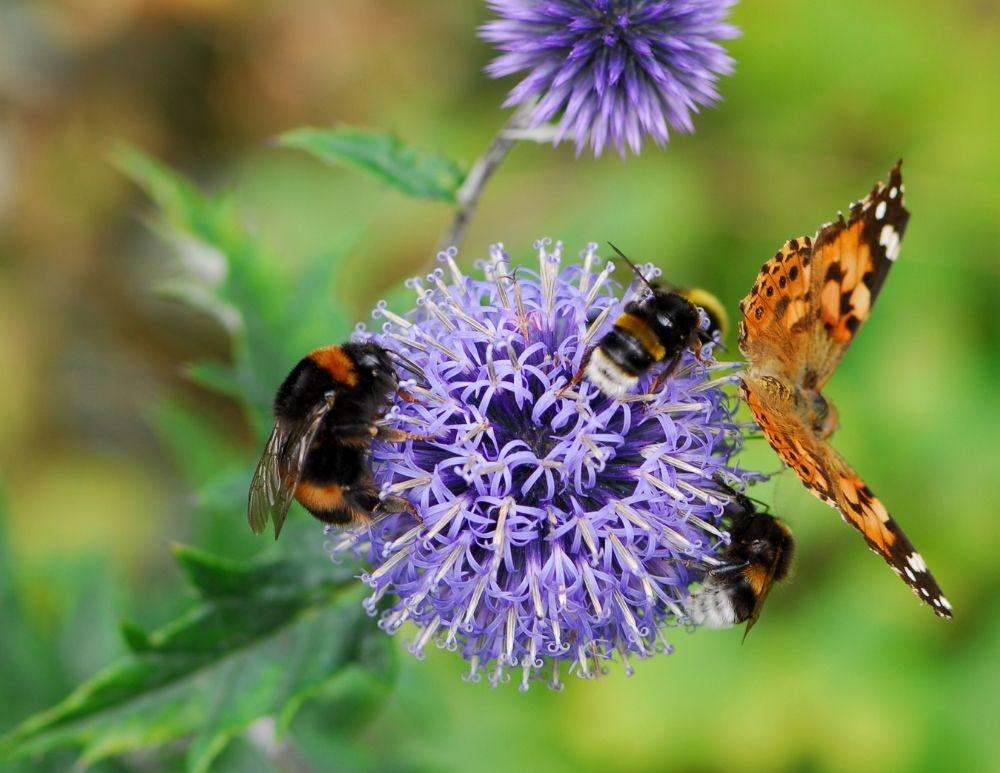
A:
(632, 265)
(407, 364)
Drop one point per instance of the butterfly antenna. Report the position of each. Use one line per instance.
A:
(632, 265)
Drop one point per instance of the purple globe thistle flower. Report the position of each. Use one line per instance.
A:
(614, 70)
(556, 525)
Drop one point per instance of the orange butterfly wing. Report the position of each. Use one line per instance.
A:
(828, 475)
(799, 318)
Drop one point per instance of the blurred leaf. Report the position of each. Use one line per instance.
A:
(273, 314)
(26, 660)
(417, 174)
(263, 638)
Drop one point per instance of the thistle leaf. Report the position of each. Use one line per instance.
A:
(262, 638)
(415, 173)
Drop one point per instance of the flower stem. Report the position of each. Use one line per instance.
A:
(467, 196)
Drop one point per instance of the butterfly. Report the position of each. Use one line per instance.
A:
(799, 318)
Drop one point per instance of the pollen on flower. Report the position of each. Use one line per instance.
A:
(555, 525)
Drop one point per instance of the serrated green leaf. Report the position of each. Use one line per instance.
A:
(263, 637)
(415, 173)
(274, 313)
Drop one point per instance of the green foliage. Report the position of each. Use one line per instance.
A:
(272, 313)
(262, 638)
(417, 174)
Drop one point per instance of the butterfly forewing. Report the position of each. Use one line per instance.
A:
(851, 259)
(778, 312)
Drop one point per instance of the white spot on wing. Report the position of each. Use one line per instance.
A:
(893, 192)
(889, 238)
(880, 210)
(917, 562)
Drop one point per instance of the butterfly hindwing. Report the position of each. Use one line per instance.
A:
(827, 475)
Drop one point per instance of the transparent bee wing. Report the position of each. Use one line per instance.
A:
(768, 584)
(279, 470)
(266, 482)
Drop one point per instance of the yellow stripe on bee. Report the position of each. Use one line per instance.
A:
(643, 333)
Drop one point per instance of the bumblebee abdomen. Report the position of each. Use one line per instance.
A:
(718, 319)
(721, 602)
(637, 335)
(319, 497)
(628, 351)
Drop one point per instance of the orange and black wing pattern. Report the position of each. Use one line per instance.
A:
(803, 311)
(827, 475)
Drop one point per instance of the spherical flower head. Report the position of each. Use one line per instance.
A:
(552, 524)
(612, 70)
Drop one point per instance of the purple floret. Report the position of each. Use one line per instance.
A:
(611, 71)
(556, 525)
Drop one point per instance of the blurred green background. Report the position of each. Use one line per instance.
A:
(845, 671)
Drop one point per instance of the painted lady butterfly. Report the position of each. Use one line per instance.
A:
(802, 313)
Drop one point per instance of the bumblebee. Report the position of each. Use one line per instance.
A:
(759, 555)
(319, 451)
(655, 328)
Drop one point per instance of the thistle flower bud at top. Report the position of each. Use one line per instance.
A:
(555, 524)
(612, 71)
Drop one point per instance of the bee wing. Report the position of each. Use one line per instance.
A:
(765, 589)
(265, 485)
(279, 470)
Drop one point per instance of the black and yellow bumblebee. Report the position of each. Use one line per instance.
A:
(654, 328)
(758, 556)
(319, 451)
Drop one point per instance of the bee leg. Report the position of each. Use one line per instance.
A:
(392, 504)
(405, 396)
(663, 375)
(360, 433)
(394, 435)
(695, 347)
(578, 376)
(729, 568)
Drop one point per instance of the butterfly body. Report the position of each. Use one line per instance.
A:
(801, 314)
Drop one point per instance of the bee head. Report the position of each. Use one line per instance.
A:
(375, 368)
(672, 317)
(766, 541)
